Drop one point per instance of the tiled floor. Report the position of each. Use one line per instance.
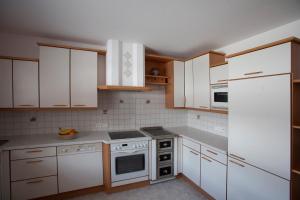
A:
(171, 190)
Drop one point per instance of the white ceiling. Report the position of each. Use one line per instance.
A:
(171, 27)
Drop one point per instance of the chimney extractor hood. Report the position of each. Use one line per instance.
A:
(125, 64)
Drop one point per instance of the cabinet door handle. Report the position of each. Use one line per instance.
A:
(205, 107)
(79, 105)
(194, 153)
(34, 161)
(206, 159)
(212, 152)
(238, 157)
(26, 105)
(59, 105)
(225, 80)
(252, 73)
(236, 163)
(35, 151)
(37, 181)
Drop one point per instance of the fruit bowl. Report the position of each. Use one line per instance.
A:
(67, 134)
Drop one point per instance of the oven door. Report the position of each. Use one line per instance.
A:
(129, 165)
(219, 96)
(165, 145)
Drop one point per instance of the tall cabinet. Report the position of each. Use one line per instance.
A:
(259, 131)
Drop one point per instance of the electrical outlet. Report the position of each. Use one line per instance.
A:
(198, 116)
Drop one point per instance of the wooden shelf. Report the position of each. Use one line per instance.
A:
(152, 76)
(296, 127)
(123, 88)
(296, 81)
(153, 83)
(295, 171)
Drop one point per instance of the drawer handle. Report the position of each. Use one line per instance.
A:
(33, 182)
(205, 107)
(60, 105)
(206, 159)
(238, 157)
(236, 163)
(34, 161)
(252, 73)
(225, 80)
(26, 105)
(35, 151)
(79, 105)
(194, 153)
(212, 152)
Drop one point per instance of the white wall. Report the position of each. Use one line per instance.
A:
(282, 32)
(26, 46)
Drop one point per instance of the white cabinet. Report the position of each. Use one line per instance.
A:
(25, 84)
(189, 84)
(201, 82)
(213, 178)
(83, 78)
(274, 60)
(259, 122)
(6, 91)
(219, 74)
(54, 77)
(178, 84)
(191, 164)
(247, 182)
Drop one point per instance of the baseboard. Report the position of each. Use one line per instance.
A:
(199, 189)
(75, 193)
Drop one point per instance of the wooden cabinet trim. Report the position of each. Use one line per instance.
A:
(19, 58)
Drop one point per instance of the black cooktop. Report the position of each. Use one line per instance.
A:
(117, 135)
(157, 132)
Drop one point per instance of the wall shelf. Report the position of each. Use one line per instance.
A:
(296, 81)
(296, 171)
(296, 127)
(156, 80)
(123, 88)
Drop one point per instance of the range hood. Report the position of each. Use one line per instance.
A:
(125, 64)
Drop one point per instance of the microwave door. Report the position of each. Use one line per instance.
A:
(221, 97)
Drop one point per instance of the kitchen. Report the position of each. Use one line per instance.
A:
(147, 116)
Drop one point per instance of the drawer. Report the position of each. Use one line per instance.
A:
(214, 154)
(269, 61)
(32, 153)
(33, 168)
(193, 145)
(34, 188)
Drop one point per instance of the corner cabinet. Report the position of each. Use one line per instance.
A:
(83, 79)
(6, 89)
(54, 77)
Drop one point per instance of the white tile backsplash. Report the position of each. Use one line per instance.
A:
(124, 110)
(211, 122)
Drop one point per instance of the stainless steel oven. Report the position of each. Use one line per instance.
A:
(129, 160)
(219, 96)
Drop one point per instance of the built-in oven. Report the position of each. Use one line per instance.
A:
(165, 144)
(129, 161)
(219, 96)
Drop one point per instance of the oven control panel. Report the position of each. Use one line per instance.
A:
(129, 146)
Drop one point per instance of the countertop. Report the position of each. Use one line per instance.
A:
(217, 142)
(47, 140)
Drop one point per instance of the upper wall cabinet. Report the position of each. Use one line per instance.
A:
(201, 82)
(6, 91)
(269, 61)
(54, 77)
(189, 84)
(219, 74)
(25, 84)
(175, 88)
(83, 78)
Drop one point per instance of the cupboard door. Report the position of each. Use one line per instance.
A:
(189, 84)
(83, 78)
(269, 61)
(6, 91)
(259, 122)
(178, 84)
(54, 77)
(26, 84)
(201, 82)
(213, 178)
(247, 182)
(191, 164)
(219, 74)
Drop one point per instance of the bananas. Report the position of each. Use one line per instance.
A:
(67, 131)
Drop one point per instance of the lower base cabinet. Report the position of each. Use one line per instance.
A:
(191, 164)
(33, 188)
(248, 183)
(213, 178)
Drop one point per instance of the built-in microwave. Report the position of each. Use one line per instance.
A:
(219, 96)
